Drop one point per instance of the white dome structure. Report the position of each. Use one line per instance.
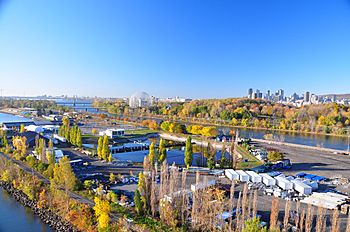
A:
(140, 99)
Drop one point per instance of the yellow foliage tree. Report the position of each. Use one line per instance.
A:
(102, 210)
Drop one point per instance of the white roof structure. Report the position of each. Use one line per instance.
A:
(34, 128)
(140, 99)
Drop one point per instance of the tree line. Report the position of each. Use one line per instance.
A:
(329, 118)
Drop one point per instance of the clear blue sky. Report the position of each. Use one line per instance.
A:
(190, 48)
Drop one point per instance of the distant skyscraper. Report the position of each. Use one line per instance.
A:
(268, 95)
(295, 97)
(281, 95)
(250, 93)
(307, 97)
(334, 98)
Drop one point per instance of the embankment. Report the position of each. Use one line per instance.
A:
(335, 151)
(47, 216)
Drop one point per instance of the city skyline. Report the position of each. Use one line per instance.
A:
(89, 49)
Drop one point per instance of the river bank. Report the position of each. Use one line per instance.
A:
(335, 151)
(159, 118)
(47, 216)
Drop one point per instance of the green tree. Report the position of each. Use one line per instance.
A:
(188, 152)
(253, 225)
(138, 202)
(78, 138)
(151, 154)
(5, 142)
(210, 157)
(161, 151)
(223, 157)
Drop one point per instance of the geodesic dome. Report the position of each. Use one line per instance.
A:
(140, 99)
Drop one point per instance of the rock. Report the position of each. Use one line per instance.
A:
(46, 215)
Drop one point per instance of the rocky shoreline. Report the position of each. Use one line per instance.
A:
(47, 216)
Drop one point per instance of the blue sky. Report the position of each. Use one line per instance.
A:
(189, 48)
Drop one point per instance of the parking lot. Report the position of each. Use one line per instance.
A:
(316, 162)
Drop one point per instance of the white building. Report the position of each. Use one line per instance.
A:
(113, 133)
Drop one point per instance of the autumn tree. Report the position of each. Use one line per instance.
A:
(102, 211)
(64, 175)
(20, 144)
(100, 147)
(112, 177)
(105, 148)
(161, 151)
(151, 154)
(274, 156)
(21, 130)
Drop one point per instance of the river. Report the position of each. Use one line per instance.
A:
(325, 141)
(14, 217)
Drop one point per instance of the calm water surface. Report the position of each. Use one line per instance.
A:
(14, 217)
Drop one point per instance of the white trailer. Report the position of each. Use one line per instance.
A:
(283, 183)
(267, 179)
(244, 177)
(60, 138)
(254, 177)
(231, 174)
(302, 188)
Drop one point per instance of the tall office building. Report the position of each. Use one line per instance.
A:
(307, 96)
(250, 93)
(281, 95)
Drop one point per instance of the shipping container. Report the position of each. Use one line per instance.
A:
(254, 177)
(302, 188)
(283, 183)
(196, 187)
(231, 174)
(267, 179)
(244, 177)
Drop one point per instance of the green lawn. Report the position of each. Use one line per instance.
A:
(139, 132)
(252, 160)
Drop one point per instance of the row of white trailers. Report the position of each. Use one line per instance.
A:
(269, 181)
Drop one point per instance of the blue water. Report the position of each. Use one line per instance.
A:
(173, 156)
(326, 141)
(14, 217)
(13, 118)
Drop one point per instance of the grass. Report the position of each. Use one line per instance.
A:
(139, 132)
(89, 136)
(252, 160)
